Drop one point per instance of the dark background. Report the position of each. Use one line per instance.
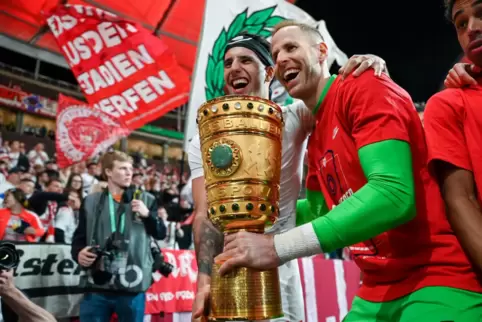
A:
(417, 42)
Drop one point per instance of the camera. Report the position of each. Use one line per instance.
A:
(105, 255)
(160, 264)
(9, 257)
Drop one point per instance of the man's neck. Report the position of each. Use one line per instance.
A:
(312, 101)
(114, 189)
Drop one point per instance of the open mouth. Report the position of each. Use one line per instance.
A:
(476, 43)
(239, 83)
(290, 74)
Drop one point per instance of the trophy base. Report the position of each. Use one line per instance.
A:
(245, 294)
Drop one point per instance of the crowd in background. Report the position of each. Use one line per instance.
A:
(40, 202)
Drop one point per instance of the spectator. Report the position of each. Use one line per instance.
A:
(89, 178)
(75, 183)
(42, 180)
(138, 180)
(12, 181)
(17, 223)
(139, 158)
(173, 231)
(27, 186)
(66, 219)
(15, 157)
(37, 156)
(45, 205)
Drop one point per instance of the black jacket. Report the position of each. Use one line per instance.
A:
(153, 224)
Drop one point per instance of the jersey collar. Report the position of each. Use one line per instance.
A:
(323, 93)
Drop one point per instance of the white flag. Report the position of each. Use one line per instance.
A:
(224, 20)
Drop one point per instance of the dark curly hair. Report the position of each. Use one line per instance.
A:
(449, 5)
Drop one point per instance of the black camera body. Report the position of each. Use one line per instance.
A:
(160, 263)
(9, 257)
(105, 255)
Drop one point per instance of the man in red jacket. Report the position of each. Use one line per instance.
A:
(453, 126)
(369, 188)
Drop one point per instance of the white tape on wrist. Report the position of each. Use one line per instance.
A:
(296, 243)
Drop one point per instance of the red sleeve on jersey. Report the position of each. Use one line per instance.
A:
(4, 218)
(375, 109)
(443, 122)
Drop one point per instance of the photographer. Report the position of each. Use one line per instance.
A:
(26, 310)
(112, 241)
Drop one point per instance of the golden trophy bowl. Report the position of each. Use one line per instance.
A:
(241, 149)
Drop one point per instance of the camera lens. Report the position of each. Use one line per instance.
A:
(8, 256)
(165, 269)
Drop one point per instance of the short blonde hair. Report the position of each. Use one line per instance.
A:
(109, 158)
(309, 30)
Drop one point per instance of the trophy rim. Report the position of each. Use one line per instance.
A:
(240, 97)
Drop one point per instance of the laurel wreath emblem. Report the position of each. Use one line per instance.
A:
(259, 22)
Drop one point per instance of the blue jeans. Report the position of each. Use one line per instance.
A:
(100, 307)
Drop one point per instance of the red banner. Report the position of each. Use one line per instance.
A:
(176, 292)
(329, 287)
(121, 67)
(83, 132)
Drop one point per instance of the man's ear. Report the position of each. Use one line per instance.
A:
(107, 173)
(323, 50)
(269, 74)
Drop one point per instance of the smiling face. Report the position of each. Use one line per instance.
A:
(467, 19)
(244, 73)
(298, 61)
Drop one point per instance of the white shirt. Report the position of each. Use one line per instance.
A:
(13, 157)
(65, 220)
(170, 241)
(186, 191)
(88, 181)
(298, 124)
(37, 157)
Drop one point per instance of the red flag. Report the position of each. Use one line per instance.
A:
(83, 132)
(121, 67)
(174, 293)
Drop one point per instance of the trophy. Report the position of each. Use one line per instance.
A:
(241, 149)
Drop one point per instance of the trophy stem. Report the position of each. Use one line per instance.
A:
(245, 294)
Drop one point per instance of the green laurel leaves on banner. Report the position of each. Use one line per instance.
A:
(259, 22)
(237, 25)
(259, 17)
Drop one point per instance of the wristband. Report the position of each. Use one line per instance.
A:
(297, 242)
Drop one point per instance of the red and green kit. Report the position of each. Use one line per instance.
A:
(369, 189)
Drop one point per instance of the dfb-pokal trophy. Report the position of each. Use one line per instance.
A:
(241, 150)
